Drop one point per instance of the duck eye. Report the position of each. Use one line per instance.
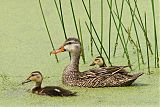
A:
(69, 43)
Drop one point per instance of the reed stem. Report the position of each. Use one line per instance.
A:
(62, 20)
(155, 37)
(147, 45)
(81, 38)
(96, 32)
(91, 41)
(47, 29)
(101, 25)
(133, 20)
(110, 29)
(74, 18)
(125, 48)
(119, 16)
(142, 25)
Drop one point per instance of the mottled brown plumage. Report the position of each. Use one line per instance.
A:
(37, 77)
(96, 77)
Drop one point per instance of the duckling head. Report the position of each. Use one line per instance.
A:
(71, 44)
(98, 61)
(35, 76)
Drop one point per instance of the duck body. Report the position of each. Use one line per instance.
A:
(92, 78)
(36, 76)
(100, 77)
(52, 91)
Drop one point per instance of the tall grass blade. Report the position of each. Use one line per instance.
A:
(110, 29)
(47, 28)
(93, 40)
(81, 38)
(147, 44)
(75, 23)
(125, 48)
(119, 16)
(96, 32)
(101, 24)
(139, 46)
(155, 37)
(142, 25)
(62, 20)
(74, 18)
(90, 14)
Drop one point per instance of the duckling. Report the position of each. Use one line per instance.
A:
(92, 78)
(99, 61)
(37, 77)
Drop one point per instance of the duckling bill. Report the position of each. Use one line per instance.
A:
(99, 61)
(37, 77)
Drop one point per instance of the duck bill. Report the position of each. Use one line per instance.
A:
(61, 49)
(26, 81)
(92, 64)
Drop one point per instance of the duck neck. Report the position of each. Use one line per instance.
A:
(74, 63)
(36, 87)
(73, 67)
(104, 65)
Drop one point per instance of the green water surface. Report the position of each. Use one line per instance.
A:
(25, 47)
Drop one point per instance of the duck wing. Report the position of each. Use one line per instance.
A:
(56, 91)
(107, 77)
(103, 71)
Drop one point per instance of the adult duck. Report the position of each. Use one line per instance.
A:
(96, 77)
(37, 77)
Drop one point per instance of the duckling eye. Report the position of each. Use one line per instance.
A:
(69, 43)
(32, 75)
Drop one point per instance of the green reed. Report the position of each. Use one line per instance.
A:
(101, 25)
(57, 10)
(75, 23)
(81, 38)
(155, 37)
(119, 16)
(96, 33)
(90, 14)
(47, 29)
(147, 44)
(95, 41)
(137, 48)
(136, 32)
(125, 48)
(142, 25)
(62, 20)
(74, 18)
(60, 14)
(110, 29)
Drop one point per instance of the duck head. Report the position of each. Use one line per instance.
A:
(35, 76)
(71, 44)
(98, 61)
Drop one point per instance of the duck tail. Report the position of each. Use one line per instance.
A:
(135, 76)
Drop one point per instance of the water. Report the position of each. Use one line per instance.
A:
(25, 47)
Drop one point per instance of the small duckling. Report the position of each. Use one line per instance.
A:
(99, 61)
(37, 77)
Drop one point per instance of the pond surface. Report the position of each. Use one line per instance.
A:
(25, 47)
